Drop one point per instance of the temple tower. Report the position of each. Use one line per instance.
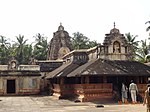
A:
(115, 46)
(60, 44)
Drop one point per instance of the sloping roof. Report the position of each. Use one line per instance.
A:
(62, 70)
(111, 67)
(79, 70)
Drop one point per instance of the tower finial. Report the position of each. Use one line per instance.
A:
(60, 24)
(114, 25)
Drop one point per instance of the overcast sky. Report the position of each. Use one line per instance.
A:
(93, 18)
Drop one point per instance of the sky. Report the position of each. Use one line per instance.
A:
(93, 18)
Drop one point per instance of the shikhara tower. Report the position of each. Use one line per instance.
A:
(60, 44)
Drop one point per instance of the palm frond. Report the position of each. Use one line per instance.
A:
(148, 28)
(147, 22)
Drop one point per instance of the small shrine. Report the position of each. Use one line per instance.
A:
(18, 79)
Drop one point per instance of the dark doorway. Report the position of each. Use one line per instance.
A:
(11, 86)
(117, 84)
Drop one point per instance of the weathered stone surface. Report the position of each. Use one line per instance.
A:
(60, 44)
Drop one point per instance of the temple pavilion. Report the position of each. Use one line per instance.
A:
(96, 73)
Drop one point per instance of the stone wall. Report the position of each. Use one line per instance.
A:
(23, 85)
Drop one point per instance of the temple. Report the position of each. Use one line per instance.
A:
(85, 74)
(60, 44)
(18, 79)
(98, 73)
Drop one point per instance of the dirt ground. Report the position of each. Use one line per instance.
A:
(51, 104)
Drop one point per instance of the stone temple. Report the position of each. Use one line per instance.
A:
(60, 44)
(98, 73)
(85, 74)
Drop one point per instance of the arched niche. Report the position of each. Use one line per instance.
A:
(116, 47)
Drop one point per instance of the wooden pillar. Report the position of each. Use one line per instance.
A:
(82, 78)
(104, 79)
(87, 79)
(61, 80)
(137, 80)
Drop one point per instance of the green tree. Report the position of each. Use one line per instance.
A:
(133, 44)
(143, 52)
(4, 50)
(40, 47)
(20, 48)
(28, 53)
(79, 41)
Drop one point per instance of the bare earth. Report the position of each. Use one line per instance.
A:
(51, 104)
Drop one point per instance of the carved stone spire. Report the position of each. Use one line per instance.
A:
(60, 44)
(60, 28)
(114, 25)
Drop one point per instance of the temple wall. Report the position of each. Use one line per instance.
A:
(29, 67)
(85, 92)
(24, 85)
(117, 57)
(92, 55)
(91, 92)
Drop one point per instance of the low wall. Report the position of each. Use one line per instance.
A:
(90, 92)
(85, 92)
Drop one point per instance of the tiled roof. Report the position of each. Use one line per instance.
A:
(102, 67)
(62, 70)
(109, 67)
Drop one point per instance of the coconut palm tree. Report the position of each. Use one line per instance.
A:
(133, 44)
(41, 47)
(4, 50)
(148, 28)
(142, 52)
(20, 45)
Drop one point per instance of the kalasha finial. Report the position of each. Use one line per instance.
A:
(60, 24)
(114, 24)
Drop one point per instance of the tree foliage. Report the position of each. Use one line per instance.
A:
(20, 48)
(133, 44)
(4, 50)
(41, 47)
(143, 52)
(79, 41)
(148, 28)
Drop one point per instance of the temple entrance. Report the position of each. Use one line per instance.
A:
(11, 86)
(117, 84)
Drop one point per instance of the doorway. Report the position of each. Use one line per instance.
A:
(11, 86)
(117, 84)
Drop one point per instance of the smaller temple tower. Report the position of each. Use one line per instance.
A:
(115, 46)
(60, 44)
